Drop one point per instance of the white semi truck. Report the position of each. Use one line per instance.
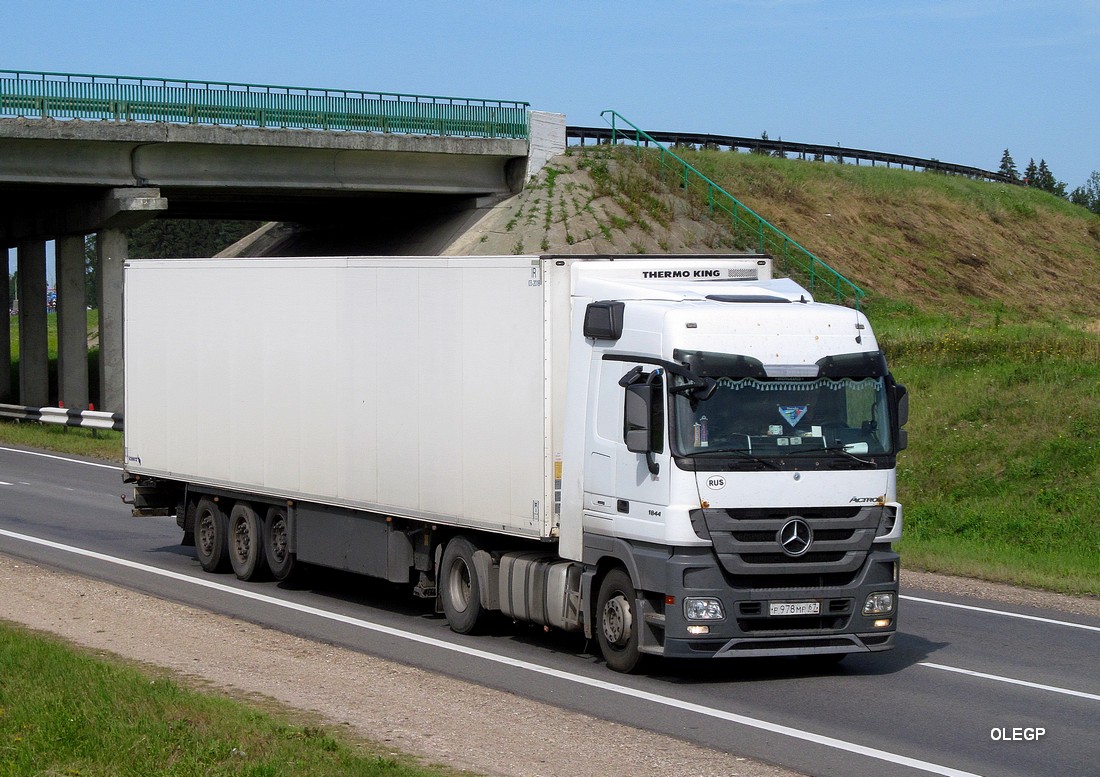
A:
(676, 455)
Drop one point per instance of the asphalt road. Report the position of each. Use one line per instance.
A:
(972, 688)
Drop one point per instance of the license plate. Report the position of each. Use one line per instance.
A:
(794, 608)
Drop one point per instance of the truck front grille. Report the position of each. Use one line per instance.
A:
(749, 546)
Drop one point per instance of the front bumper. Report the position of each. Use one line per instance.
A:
(749, 629)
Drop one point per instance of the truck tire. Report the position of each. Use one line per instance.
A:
(617, 621)
(210, 536)
(276, 543)
(459, 587)
(245, 542)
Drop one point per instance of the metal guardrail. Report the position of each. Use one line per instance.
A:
(751, 227)
(803, 150)
(126, 98)
(90, 419)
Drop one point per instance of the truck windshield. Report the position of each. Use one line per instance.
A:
(786, 418)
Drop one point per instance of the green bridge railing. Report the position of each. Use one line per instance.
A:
(749, 226)
(124, 98)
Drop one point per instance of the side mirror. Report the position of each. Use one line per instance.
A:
(638, 414)
(901, 399)
(902, 395)
(643, 419)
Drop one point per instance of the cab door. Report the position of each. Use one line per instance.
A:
(627, 491)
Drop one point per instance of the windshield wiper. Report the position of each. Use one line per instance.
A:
(831, 449)
(746, 455)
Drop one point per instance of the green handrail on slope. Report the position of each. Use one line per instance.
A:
(127, 98)
(746, 222)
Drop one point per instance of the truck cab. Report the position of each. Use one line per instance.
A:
(738, 468)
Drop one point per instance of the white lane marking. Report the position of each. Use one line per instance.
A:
(5, 483)
(668, 701)
(63, 458)
(1013, 681)
(1000, 612)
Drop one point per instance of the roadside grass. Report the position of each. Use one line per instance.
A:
(1002, 477)
(63, 711)
(93, 443)
(102, 444)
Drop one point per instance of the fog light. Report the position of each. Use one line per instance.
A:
(697, 630)
(882, 623)
(879, 604)
(703, 609)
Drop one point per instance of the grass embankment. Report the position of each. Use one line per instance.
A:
(1002, 477)
(65, 712)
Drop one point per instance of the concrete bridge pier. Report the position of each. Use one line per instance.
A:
(34, 375)
(72, 323)
(109, 217)
(111, 249)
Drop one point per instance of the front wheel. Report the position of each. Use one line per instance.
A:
(459, 587)
(617, 622)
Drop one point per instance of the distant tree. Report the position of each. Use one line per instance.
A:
(1031, 173)
(760, 148)
(178, 238)
(1088, 196)
(1046, 181)
(1008, 166)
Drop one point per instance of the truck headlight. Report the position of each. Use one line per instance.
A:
(879, 604)
(698, 608)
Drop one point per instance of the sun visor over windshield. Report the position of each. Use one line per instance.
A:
(730, 365)
(865, 364)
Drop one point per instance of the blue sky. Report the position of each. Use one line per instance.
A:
(955, 80)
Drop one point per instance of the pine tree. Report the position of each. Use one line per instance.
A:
(1008, 167)
(1044, 180)
(1047, 182)
(1031, 174)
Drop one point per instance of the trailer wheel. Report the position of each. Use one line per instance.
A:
(210, 539)
(276, 542)
(617, 621)
(460, 589)
(246, 552)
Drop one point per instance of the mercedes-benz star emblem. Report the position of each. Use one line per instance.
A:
(795, 537)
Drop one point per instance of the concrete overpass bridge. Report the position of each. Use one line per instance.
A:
(356, 172)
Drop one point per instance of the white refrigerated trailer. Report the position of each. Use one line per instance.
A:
(676, 455)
